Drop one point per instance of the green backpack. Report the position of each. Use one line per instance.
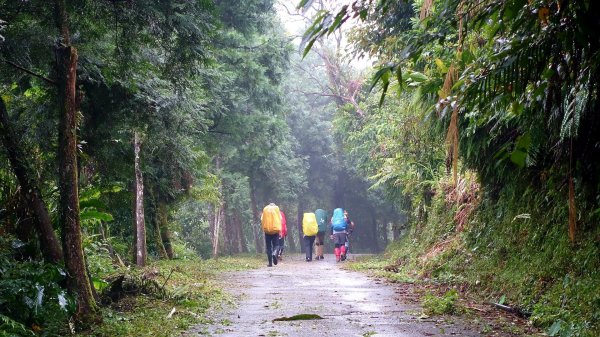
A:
(321, 220)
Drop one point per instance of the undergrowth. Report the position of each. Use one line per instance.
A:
(515, 249)
(190, 290)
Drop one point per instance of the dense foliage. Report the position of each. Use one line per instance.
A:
(143, 130)
(510, 89)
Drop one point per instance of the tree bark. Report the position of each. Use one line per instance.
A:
(165, 234)
(216, 218)
(66, 72)
(289, 240)
(139, 221)
(256, 226)
(48, 240)
(162, 252)
(243, 248)
(111, 251)
(215, 228)
(374, 236)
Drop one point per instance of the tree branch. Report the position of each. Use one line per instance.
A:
(29, 72)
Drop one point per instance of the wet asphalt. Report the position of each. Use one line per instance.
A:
(350, 303)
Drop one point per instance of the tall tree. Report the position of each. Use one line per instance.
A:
(66, 78)
(48, 241)
(139, 222)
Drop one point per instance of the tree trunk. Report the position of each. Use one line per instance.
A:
(69, 193)
(48, 240)
(162, 252)
(165, 233)
(215, 228)
(289, 240)
(216, 217)
(66, 72)
(256, 227)
(374, 236)
(339, 190)
(111, 251)
(243, 248)
(139, 222)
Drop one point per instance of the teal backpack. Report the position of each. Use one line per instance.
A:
(321, 220)
(338, 222)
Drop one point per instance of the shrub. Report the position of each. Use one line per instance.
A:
(434, 305)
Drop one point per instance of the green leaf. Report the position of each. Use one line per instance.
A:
(555, 328)
(441, 66)
(363, 14)
(416, 77)
(339, 19)
(399, 78)
(379, 74)
(91, 214)
(385, 79)
(502, 299)
(523, 142)
(304, 4)
(518, 157)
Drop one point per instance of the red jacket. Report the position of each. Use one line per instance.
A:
(283, 225)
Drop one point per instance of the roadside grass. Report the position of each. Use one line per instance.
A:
(509, 253)
(190, 290)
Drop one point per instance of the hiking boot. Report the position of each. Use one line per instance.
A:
(343, 257)
(269, 265)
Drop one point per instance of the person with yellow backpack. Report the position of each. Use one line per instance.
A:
(310, 229)
(271, 225)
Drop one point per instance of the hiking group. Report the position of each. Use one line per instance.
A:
(314, 228)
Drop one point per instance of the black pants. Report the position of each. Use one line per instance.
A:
(271, 244)
(308, 246)
(281, 242)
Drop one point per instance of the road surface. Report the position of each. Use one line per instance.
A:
(350, 303)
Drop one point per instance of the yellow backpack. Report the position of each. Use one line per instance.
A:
(309, 224)
(271, 219)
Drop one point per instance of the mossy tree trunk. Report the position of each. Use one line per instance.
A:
(139, 221)
(66, 72)
(162, 252)
(256, 229)
(49, 243)
(165, 233)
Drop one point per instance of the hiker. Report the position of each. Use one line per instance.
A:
(322, 228)
(271, 224)
(310, 229)
(282, 236)
(338, 233)
(349, 230)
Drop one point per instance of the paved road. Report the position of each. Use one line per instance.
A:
(350, 303)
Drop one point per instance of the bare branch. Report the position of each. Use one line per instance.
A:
(29, 72)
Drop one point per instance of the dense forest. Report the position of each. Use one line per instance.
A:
(143, 131)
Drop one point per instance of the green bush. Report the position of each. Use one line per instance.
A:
(32, 293)
(440, 305)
